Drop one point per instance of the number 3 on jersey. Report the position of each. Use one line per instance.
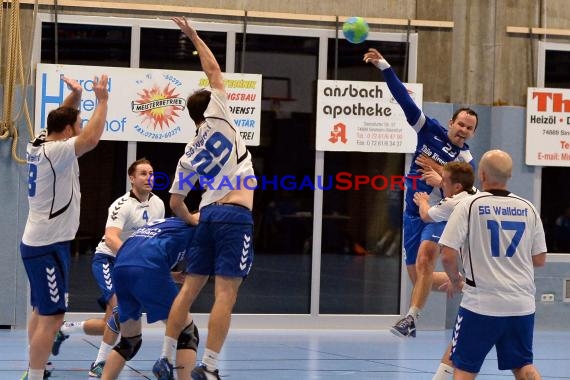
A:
(209, 161)
(32, 176)
(496, 235)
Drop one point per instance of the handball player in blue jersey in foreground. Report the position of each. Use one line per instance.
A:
(143, 279)
(436, 146)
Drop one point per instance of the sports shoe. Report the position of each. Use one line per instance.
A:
(163, 370)
(47, 374)
(96, 369)
(201, 373)
(60, 337)
(405, 327)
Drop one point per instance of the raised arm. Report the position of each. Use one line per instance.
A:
(397, 88)
(91, 134)
(74, 98)
(207, 60)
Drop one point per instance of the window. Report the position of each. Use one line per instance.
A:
(283, 218)
(361, 241)
(555, 205)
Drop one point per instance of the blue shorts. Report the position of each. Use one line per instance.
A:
(223, 242)
(102, 268)
(474, 335)
(48, 272)
(413, 228)
(433, 231)
(139, 288)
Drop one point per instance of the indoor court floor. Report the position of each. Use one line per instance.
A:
(295, 355)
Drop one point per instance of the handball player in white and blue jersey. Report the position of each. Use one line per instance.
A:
(499, 238)
(53, 217)
(223, 244)
(143, 281)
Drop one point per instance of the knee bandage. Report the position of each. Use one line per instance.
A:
(188, 338)
(128, 347)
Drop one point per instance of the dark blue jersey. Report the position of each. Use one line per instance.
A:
(433, 141)
(159, 245)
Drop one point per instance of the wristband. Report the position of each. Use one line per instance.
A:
(382, 64)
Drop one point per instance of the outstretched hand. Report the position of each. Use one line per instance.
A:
(72, 84)
(372, 56)
(431, 177)
(100, 88)
(184, 26)
(427, 162)
(420, 197)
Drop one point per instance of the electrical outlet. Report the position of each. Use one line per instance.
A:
(547, 297)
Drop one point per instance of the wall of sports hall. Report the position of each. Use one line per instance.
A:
(484, 54)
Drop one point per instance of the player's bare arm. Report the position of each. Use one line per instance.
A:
(209, 63)
(426, 163)
(180, 209)
(421, 199)
(113, 238)
(178, 277)
(449, 261)
(539, 260)
(91, 134)
(431, 177)
(74, 98)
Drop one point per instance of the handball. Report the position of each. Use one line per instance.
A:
(355, 30)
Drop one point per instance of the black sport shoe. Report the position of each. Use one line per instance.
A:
(59, 339)
(201, 373)
(405, 327)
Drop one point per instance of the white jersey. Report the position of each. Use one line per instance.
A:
(53, 192)
(128, 214)
(498, 233)
(217, 157)
(441, 211)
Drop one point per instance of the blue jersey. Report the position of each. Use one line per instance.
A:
(159, 245)
(433, 141)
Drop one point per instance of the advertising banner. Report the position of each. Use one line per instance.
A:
(148, 104)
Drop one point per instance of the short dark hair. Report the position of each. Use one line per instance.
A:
(60, 118)
(468, 111)
(197, 104)
(133, 166)
(462, 173)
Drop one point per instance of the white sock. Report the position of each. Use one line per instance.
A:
(35, 374)
(444, 372)
(210, 360)
(104, 350)
(414, 312)
(72, 327)
(169, 349)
